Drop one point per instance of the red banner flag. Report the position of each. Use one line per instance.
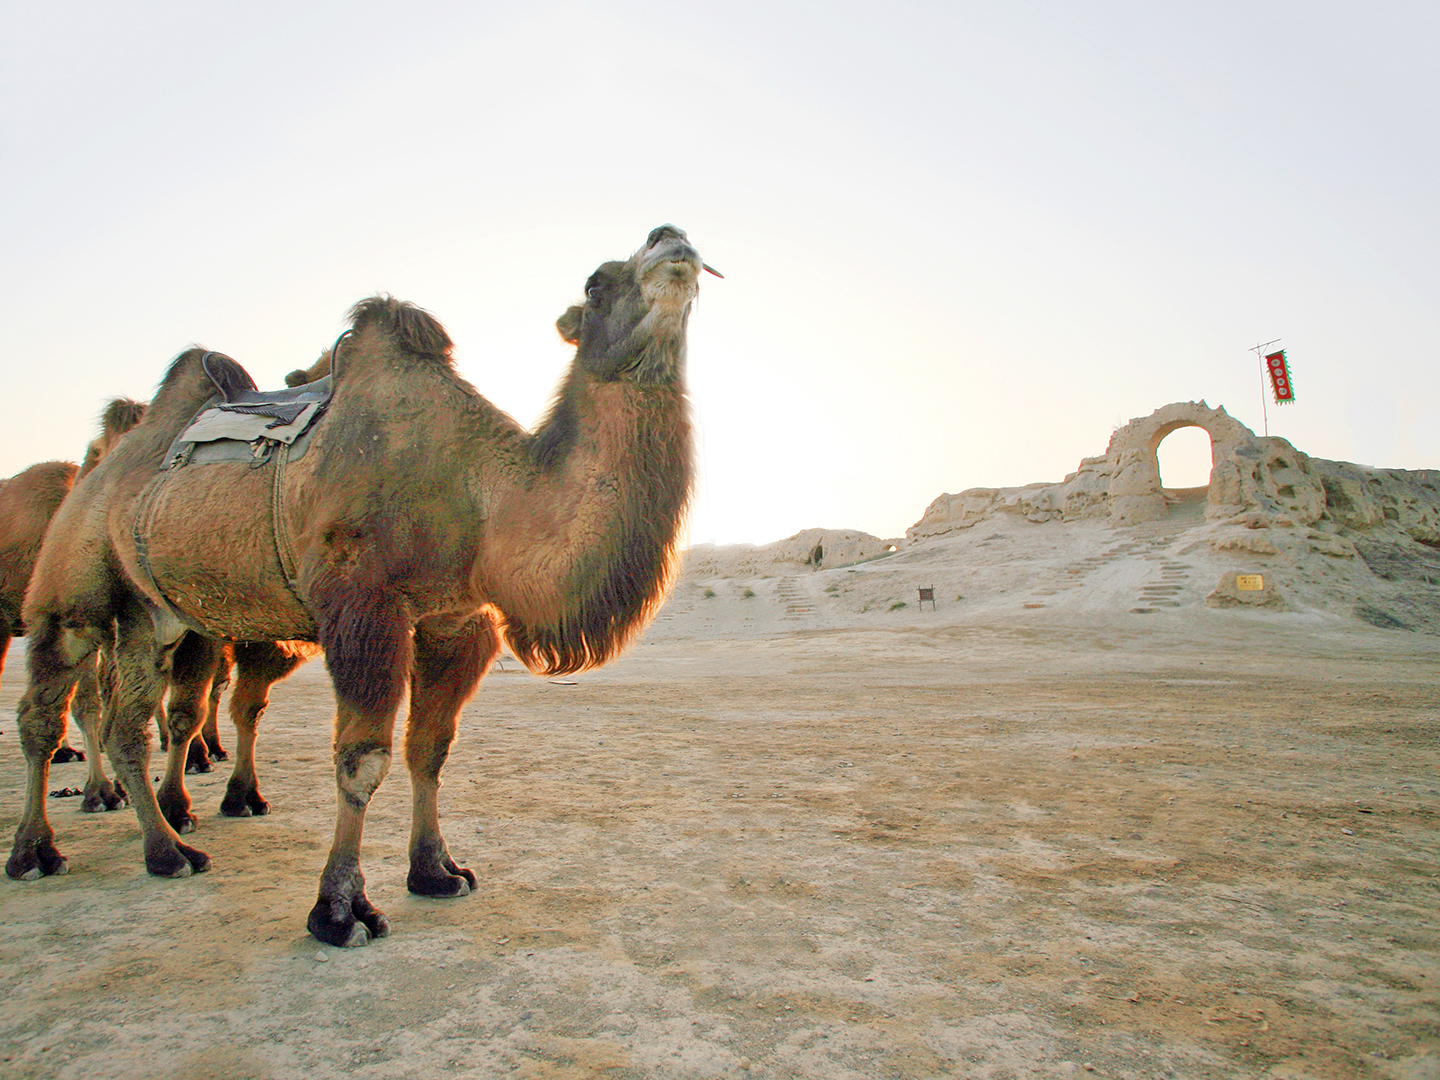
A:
(1280, 378)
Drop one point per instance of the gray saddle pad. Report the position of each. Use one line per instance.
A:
(250, 426)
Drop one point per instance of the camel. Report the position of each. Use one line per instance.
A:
(28, 501)
(420, 526)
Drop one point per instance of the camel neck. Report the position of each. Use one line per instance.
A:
(583, 547)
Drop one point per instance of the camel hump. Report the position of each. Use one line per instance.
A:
(412, 328)
(229, 377)
(120, 415)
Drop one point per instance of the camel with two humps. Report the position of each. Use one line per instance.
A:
(420, 528)
(28, 502)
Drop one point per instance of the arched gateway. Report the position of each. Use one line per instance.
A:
(1136, 492)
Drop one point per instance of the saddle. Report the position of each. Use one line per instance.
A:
(241, 422)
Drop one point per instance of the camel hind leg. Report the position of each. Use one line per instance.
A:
(449, 663)
(260, 665)
(141, 665)
(101, 793)
(57, 654)
(65, 753)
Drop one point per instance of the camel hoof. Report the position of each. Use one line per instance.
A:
(451, 881)
(178, 814)
(346, 923)
(241, 803)
(104, 799)
(31, 862)
(177, 861)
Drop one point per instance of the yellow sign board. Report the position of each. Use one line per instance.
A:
(1250, 582)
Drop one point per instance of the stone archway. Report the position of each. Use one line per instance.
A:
(1136, 492)
(1266, 477)
(1186, 457)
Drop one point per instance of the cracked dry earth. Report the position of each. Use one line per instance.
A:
(1203, 849)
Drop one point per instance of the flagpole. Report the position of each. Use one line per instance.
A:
(1259, 351)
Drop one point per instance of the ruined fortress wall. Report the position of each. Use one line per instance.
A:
(1254, 480)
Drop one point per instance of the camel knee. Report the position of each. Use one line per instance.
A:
(359, 772)
(56, 650)
(41, 727)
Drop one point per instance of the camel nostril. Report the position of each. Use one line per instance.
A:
(664, 232)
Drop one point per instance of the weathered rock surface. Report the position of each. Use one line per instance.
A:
(1254, 480)
(1351, 536)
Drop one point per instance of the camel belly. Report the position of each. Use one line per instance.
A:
(209, 539)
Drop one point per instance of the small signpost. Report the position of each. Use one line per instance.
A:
(1250, 582)
(927, 594)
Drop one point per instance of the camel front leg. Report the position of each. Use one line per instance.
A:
(193, 667)
(366, 632)
(342, 914)
(205, 748)
(450, 661)
(56, 658)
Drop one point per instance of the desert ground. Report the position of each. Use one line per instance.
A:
(1041, 828)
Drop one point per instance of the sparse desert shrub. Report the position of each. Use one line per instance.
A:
(748, 594)
(708, 594)
(897, 605)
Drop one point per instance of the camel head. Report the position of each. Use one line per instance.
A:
(632, 323)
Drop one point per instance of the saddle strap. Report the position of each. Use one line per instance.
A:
(283, 549)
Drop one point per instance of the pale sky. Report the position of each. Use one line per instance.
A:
(962, 241)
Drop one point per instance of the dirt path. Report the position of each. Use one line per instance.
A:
(1009, 850)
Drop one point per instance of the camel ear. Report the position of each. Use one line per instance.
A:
(569, 324)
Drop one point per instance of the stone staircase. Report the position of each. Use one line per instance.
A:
(1164, 590)
(1072, 576)
(1169, 580)
(792, 595)
(1150, 542)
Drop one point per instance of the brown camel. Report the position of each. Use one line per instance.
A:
(28, 501)
(420, 525)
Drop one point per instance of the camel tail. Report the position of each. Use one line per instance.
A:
(412, 328)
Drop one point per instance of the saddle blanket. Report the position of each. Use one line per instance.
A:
(243, 430)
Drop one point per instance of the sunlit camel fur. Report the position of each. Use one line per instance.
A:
(423, 522)
(28, 501)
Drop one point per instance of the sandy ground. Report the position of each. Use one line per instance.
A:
(797, 833)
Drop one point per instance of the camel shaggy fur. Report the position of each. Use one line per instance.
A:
(420, 526)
